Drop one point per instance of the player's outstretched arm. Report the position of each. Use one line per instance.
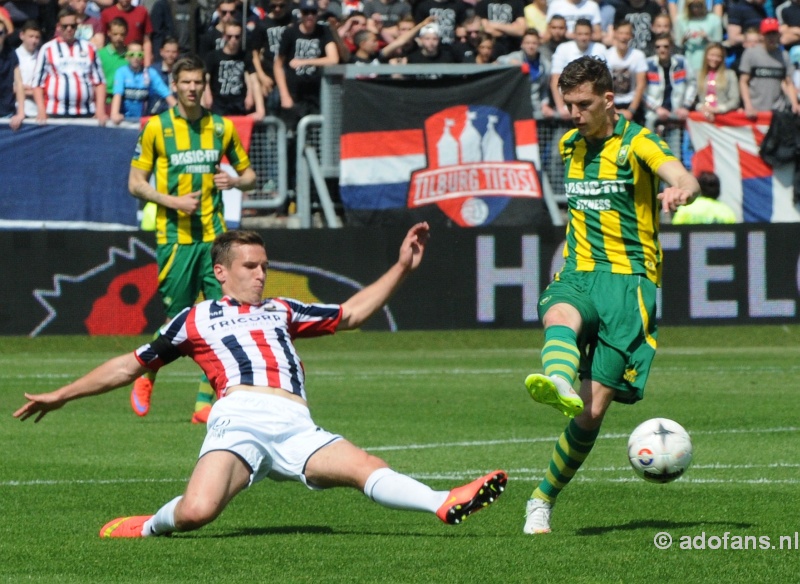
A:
(683, 186)
(113, 373)
(366, 302)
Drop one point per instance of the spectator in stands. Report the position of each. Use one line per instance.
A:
(538, 72)
(705, 209)
(677, 7)
(628, 68)
(765, 81)
(486, 50)
(555, 34)
(355, 22)
(568, 52)
(574, 10)
(112, 55)
(668, 96)
(397, 51)
(447, 15)
(366, 51)
(695, 29)
(794, 58)
(69, 77)
(505, 21)
(232, 87)
(163, 68)
(212, 39)
(662, 24)
(742, 15)
(12, 93)
(89, 27)
(388, 13)
(788, 15)
(139, 26)
(641, 14)
(133, 87)
(304, 50)
(536, 16)
(431, 50)
(467, 47)
(178, 19)
(327, 8)
(717, 86)
(27, 52)
(265, 42)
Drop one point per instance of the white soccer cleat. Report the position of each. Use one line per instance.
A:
(537, 516)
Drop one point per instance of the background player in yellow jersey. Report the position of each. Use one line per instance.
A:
(183, 148)
(599, 311)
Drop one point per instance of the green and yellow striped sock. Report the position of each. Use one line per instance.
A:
(570, 451)
(205, 394)
(560, 354)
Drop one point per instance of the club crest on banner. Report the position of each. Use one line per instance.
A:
(472, 168)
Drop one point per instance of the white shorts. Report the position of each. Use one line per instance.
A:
(273, 435)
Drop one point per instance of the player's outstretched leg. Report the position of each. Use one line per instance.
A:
(202, 405)
(141, 392)
(554, 391)
(463, 501)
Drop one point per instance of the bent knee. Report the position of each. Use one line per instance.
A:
(195, 513)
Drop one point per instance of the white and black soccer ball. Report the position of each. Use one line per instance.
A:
(660, 450)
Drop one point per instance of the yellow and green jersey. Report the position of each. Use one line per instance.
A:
(611, 189)
(183, 156)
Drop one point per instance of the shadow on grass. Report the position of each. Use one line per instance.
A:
(316, 530)
(656, 524)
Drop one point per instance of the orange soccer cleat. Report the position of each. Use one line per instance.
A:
(201, 415)
(140, 395)
(472, 497)
(124, 527)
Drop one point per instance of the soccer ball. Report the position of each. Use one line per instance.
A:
(660, 450)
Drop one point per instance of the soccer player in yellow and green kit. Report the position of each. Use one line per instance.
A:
(183, 147)
(599, 311)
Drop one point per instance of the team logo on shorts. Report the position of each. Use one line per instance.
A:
(473, 171)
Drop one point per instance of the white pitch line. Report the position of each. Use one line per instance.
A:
(527, 474)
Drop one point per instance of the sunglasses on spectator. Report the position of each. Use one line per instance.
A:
(139, 54)
(234, 36)
(227, 11)
(307, 12)
(72, 25)
(279, 5)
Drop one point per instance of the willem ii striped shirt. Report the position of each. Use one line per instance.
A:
(611, 189)
(68, 75)
(237, 344)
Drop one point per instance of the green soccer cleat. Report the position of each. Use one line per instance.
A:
(554, 391)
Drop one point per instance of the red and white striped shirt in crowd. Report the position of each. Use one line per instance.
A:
(68, 75)
(238, 344)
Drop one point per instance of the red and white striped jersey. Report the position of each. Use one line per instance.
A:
(237, 344)
(68, 75)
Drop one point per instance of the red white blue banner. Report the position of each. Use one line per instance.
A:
(461, 150)
(729, 147)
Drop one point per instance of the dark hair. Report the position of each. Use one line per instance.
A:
(31, 25)
(222, 248)
(622, 22)
(532, 32)
(582, 22)
(663, 36)
(586, 70)
(709, 184)
(118, 21)
(188, 63)
(67, 11)
(170, 40)
(556, 17)
(361, 36)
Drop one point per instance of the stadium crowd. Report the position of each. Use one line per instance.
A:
(112, 60)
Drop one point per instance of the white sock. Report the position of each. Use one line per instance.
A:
(396, 491)
(163, 521)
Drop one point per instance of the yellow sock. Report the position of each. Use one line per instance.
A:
(205, 394)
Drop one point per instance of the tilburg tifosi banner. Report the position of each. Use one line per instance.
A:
(461, 150)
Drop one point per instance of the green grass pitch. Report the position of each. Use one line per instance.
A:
(443, 407)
